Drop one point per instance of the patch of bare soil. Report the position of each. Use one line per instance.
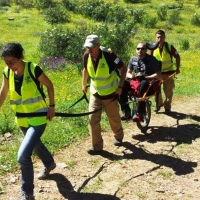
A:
(162, 165)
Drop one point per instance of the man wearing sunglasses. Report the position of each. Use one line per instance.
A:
(142, 68)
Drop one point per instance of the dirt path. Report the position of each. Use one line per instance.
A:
(163, 165)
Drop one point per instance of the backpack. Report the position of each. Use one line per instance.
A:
(39, 86)
(167, 48)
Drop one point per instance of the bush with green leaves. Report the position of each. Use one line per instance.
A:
(43, 4)
(184, 44)
(5, 2)
(137, 1)
(162, 13)
(63, 42)
(53, 42)
(25, 3)
(118, 37)
(150, 22)
(117, 14)
(69, 4)
(138, 15)
(174, 17)
(196, 19)
(96, 10)
(56, 15)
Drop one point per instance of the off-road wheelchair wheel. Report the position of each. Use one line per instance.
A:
(143, 124)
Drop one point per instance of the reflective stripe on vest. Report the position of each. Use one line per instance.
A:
(167, 64)
(102, 82)
(30, 100)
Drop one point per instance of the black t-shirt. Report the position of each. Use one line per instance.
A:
(149, 64)
(19, 79)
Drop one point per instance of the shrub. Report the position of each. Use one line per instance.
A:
(138, 15)
(196, 19)
(185, 44)
(5, 2)
(174, 17)
(150, 22)
(117, 14)
(117, 37)
(43, 4)
(25, 3)
(56, 15)
(58, 42)
(53, 42)
(162, 13)
(69, 4)
(97, 10)
(137, 1)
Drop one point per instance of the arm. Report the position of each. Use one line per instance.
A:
(129, 74)
(123, 70)
(4, 90)
(178, 61)
(50, 90)
(85, 77)
(156, 75)
(176, 56)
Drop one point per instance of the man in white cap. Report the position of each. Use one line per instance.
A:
(102, 66)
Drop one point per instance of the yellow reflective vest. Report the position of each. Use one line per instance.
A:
(165, 58)
(30, 101)
(102, 82)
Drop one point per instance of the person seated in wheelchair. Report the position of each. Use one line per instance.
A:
(142, 69)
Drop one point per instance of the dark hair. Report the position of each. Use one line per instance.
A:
(160, 32)
(13, 49)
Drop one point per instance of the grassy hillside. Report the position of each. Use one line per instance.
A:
(27, 27)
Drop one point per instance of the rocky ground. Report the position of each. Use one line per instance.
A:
(162, 165)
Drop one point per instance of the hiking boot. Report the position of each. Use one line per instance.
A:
(27, 197)
(93, 151)
(45, 172)
(118, 142)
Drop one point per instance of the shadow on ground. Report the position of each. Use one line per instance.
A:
(67, 191)
(185, 133)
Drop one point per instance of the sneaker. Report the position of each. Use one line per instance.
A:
(118, 142)
(93, 151)
(45, 172)
(137, 118)
(27, 197)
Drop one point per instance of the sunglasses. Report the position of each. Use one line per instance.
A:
(139, 48)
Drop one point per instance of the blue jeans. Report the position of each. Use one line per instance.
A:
(32, 143)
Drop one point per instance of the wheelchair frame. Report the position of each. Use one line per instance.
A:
(143, 124)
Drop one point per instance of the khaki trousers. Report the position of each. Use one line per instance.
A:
(112, 112)
(168, 87)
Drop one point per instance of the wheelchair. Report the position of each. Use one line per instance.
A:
(146, 117)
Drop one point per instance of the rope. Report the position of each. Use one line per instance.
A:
(59, 114)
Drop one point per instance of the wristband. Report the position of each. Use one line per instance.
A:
(51, 105)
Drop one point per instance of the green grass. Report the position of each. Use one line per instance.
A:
(27, 27)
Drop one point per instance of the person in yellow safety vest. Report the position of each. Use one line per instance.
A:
(165, 53)
(25, 97)
(101, 65)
